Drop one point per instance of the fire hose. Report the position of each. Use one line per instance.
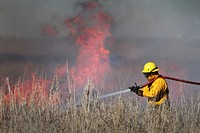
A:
(181, 80)
(175, 79)
(165, 77)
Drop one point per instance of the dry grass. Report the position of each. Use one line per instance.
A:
(118, 115)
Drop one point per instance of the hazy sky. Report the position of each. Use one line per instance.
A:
(165, 31)
(132, 18)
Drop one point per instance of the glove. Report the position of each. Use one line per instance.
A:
(136, 89)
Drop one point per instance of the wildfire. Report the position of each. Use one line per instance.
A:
(91, 28)
(26, 92)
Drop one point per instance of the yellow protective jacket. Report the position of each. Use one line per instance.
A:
(156, 92)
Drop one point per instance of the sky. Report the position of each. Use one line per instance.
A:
(164, 31)
(137, 18)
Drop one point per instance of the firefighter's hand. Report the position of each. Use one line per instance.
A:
(136, 89)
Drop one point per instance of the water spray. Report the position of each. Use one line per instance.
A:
(114, 94)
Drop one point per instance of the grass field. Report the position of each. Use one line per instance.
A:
(121, 114)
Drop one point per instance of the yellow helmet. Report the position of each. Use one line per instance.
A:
(150, 67)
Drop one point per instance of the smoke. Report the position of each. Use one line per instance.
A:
(166, 32)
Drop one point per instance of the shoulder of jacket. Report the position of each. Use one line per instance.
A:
(160, 79)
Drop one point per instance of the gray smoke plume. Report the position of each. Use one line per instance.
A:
(164, 31)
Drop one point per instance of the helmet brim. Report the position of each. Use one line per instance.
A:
(155, 70)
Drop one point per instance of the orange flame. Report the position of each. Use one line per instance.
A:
(93, 57)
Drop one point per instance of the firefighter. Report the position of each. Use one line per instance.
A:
(157, 90)
(157, 113)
